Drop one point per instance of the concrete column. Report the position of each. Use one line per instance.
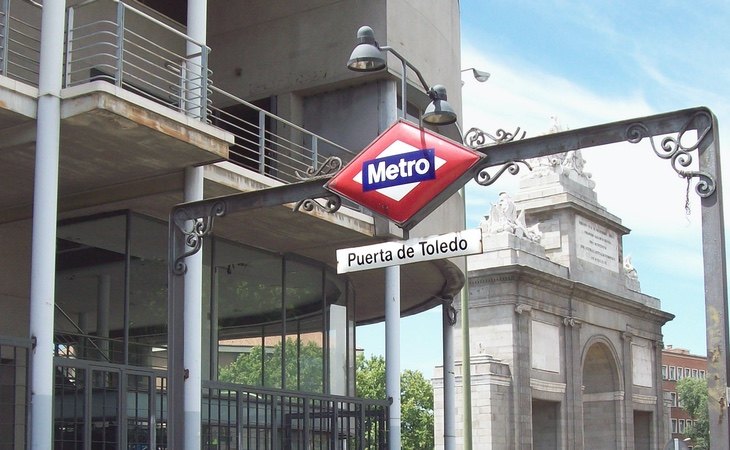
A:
(193, 324)
(45, 200)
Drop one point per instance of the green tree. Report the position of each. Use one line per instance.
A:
(304, 367)
(416, 400)
(692, 393)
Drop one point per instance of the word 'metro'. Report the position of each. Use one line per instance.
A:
(395, 170)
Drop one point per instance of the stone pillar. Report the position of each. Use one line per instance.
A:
(573, 429)
(521, 378)
(626, 405)
(661, 433)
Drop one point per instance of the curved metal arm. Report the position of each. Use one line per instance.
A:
(405, 63)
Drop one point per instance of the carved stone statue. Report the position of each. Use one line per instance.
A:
(570, 163)
(629, 268)
(504, 217)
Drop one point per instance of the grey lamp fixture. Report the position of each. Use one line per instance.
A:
(367, 56)
(480, 75)
(439, 111)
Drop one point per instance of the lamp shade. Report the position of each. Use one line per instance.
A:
(439, 111)
(366, 56)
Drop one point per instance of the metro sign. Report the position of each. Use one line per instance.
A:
(404, 172)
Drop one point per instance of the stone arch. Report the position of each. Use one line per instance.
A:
(602, 394)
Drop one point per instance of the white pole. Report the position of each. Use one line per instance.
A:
(45, 200)
(392, 353)
(449, 379)
(193, 300)
(193, 309)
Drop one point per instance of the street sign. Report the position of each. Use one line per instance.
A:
(449, 245)
(404, 173)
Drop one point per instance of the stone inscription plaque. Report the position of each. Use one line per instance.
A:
(596, 244)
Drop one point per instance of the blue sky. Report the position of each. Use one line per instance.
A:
(587, 63)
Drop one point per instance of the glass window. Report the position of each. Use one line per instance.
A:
(681, 425)
(674, 425)
(679, 373)
(694, 373)
(90, 288)
(673, 396)
(672, 372)
(282, 321)
(664, 372)
(702, 374)
(687, 372)
(147, 292)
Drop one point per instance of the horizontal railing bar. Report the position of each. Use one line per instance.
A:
(278, 119)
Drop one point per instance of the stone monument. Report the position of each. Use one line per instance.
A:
(565, 349)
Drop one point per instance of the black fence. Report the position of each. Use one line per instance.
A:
(14, 392)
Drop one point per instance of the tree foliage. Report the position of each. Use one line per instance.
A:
(416, 400)
(692, 394)
(261, 366)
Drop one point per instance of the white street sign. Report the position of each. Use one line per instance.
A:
(449, 245)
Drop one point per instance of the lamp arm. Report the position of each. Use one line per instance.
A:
(425, 85)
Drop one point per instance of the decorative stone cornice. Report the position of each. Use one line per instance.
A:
(627, 336)
(523, 309)
(547, 386)
(644, 399)
(573, 322)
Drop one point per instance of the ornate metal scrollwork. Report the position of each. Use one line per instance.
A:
(677, 153)
(330, 204)
(195, 233)
(475, 137)
(329, 167)
(484, 178)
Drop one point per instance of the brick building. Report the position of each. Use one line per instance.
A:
(678, 363)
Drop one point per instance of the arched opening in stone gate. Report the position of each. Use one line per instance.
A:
(601, 397)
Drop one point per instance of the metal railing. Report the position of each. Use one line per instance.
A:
(267, 143)
(108, 406)
(107, 40)
(244, 417)
(20, 40)
(14, 392)
(115, 42)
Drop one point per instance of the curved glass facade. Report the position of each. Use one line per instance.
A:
(270, 320)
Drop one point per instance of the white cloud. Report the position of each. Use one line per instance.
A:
(632, 182)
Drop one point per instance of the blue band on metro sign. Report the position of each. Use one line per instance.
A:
(399, 169)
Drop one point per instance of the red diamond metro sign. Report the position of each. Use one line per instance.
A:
(404, 173)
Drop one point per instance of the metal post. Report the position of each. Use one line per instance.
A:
(5, 35)
(448, 377)
(715, 265)
(120, 44)
(392, 354)
(45, 201)
(69, 45)
(193, 334)
(102, 314)
(262, 142)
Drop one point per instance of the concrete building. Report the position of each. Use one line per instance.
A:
(678, 363)
(111, 113)
(565, 350)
